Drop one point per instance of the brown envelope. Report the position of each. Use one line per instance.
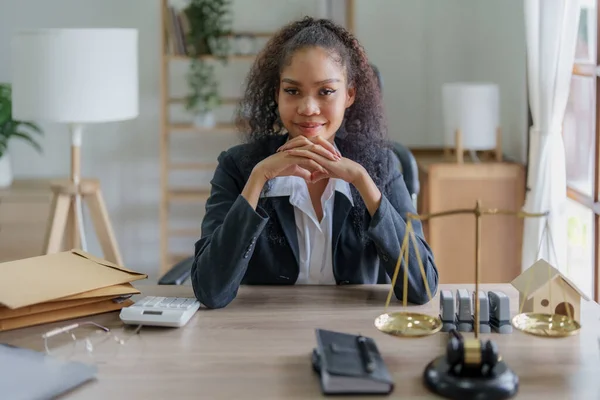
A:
(63, 314)
(92, 296)
(115, 290)
(6, 312)
(55, 276)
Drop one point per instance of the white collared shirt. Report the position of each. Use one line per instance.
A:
(314, 236)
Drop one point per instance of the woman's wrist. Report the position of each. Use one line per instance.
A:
(254, 187)
(368, 190)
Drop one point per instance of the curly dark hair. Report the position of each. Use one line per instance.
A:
(363, 134)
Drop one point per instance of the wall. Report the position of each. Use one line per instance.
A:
(419, 45)
(416, 45)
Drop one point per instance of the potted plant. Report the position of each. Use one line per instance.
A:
(208, 22)
(10, 128)
(209, 27)
(204, 96)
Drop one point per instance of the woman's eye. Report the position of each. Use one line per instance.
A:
(327, 92)
(291, 91)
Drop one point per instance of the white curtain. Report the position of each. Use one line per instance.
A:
(551, 29)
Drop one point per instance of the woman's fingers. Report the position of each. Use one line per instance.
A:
(317, 148)
(317, 176)
(302, 173)
(327, 145)
(302, 141)
(308, 176)
(304, 167)
(311, 165)
(304, 162)
(304, 153)
(295, 142)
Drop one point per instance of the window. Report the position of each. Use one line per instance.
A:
(580, 246)
(581, 138)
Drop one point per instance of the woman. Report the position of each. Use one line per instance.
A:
(314, 195)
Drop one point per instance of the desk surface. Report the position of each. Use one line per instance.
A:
(260, 345)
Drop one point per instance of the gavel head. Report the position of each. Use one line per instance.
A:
(489, 354)
(454, 351)
(471, 353)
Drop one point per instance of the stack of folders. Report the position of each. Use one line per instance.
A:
(62, 286)
(350, 364)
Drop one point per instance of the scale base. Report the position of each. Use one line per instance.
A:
(501, 383)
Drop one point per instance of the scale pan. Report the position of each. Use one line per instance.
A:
(546, 325)
(408, 324)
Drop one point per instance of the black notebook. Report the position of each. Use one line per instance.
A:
(350, 364)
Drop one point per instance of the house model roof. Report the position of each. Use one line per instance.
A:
(537, 276)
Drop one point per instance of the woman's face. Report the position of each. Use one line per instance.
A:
(313, 94)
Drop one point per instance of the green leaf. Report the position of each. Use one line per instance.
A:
(209, 21)
(5, 110)
(29, 139)
(32, 126)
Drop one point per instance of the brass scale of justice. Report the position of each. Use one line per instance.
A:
(470, 368)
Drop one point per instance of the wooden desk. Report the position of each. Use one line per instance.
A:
(260, 345)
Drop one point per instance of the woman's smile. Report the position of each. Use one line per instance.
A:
(310, 128)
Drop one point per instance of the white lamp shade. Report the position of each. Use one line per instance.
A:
(473, 108)
(75, 75)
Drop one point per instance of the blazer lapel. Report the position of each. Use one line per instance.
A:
(285, 213)
(341, 209)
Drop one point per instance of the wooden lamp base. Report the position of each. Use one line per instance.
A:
(459, 150)
(65, 226)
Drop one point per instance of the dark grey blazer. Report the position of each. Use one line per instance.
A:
(240, 245)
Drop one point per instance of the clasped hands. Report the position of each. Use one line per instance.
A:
(312, 159)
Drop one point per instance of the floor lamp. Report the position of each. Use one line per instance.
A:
(76, 77)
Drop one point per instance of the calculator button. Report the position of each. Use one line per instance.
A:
(176, 303)
(165, 302)
(187, 303)
(154, 301)
(142, 302)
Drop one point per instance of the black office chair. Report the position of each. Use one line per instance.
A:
(181, 271)
(178, 274)
(410, 171)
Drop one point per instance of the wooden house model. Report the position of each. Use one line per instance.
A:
(548, 291)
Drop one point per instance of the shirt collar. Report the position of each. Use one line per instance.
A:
(293, 185)
(344, 188)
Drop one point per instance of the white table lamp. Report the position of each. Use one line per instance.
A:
(76, 77)
(471, 113)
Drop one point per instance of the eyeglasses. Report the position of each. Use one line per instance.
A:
(77, 342)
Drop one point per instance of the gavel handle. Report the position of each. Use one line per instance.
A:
(454, 332)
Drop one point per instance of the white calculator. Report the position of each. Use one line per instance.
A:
(160, 311)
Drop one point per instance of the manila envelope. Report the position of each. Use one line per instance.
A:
(115, 290)
(63, 314)
(55, 276)
(6, 312)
